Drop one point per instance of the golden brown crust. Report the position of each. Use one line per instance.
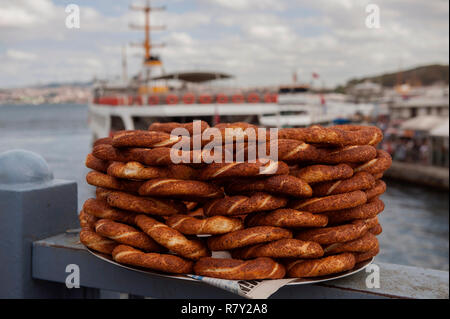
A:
(239, 205)
(378, 189)
(370, 135)
(135, 170)
(360, 257)
(105, 181)
(104, 140)
(376, 230)
(248, 236)
(101, 209)
(207, 226)
(359, 181)
(335, 234)
(279, 184)
(235, 169)
(233, 269)
(147, 156)
(170, 126)
(91, 239)
(347, 154)
(378, 176)
(125, 234)
(172, 239)
(96, 164)
(161, 262)
(102, 193)
(140, 138)
(181, 189)
(286, 217)
(377, 165)
(330, 203)
(283, 248)
(147, 205)
(364, 243)
(321, 267)
(371, 209)
(87, 220)
(322, 173)
(290, 151)
(338, 135)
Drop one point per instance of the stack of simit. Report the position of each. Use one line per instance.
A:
(313, 212)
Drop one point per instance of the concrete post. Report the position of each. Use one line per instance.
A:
(33, 206)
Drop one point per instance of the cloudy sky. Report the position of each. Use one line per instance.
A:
(261, 42)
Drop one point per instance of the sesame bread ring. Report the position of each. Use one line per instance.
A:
(370, 209)
(238, 132)
(359, 245)
(246, 237)
(337, 135)
(279, 184)
(105, 181)
(125, 234)
(172, 239)
(286, 217)
(321, 267)
(290, 151)
(359, 181)
(215, 225)
(87, 220)
(283, 248)
(135, 170)
(147, 205)
(170, 126)
(235, 169)
(376, 230)
(242, 125)
(330, 203)
(377, 165)
(147, 156)
(196, 213)
(360, 257)
(96, 164)
(100, 209)
(378, 175)
(378, 189)
(104, 140)
(322, 173)
(140, 138)
(334, 234)
(181, 189)
(91, 239)
(239, 205)
(190, 206)
(102, 193)
(347, 154)
(234, 269)
(370, 135)
(161, 262)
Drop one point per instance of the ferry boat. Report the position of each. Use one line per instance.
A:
(185, 96)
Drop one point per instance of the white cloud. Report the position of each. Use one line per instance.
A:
(20, 55)
(261, 42)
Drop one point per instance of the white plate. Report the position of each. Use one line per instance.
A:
(300, 281)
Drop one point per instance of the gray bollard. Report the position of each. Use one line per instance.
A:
(33, 206)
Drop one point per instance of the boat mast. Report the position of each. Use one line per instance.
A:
(149, 59)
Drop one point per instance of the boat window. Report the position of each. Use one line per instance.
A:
(117, 123)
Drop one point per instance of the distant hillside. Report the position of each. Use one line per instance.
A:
(422, 75)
